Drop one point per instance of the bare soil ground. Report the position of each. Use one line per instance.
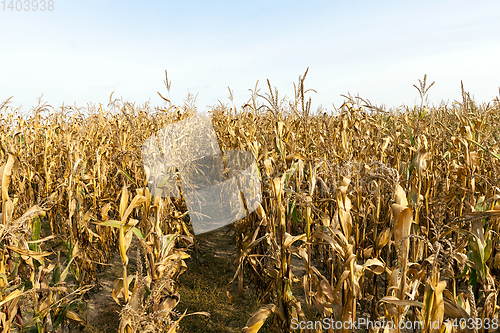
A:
(202, 288)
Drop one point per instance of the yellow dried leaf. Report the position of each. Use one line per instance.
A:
(382, 239)
(11, 296)
(136, 202)
(5, 174)
(75, 316)
(123, 202)
(289, 239)
(255, 322)
(400, 196)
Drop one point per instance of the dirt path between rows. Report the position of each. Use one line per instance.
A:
(202, 288)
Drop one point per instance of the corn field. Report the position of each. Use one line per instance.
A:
(367, 215)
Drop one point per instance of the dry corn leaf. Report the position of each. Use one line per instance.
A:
(123, 202)
(400, 196)
(289, 239)
(403, 219)
(5, 175)
(375, 265)
(256, 321)
(27, 254)
(75, 316)
(382, 239)
(16, 293)
(396, 301)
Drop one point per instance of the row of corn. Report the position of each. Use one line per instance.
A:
(390, 216)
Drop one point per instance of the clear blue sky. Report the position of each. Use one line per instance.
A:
(83, 50)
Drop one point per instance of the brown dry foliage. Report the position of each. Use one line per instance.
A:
(392, 215)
